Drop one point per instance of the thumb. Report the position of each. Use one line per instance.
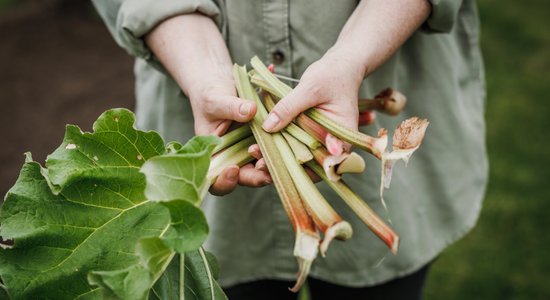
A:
(288, 108)
(232, 108)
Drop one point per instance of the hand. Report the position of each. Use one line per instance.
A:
(193, 51)
(366, 42)
(330, 84)
(215, 105)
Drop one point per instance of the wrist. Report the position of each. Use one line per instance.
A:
(348, 58)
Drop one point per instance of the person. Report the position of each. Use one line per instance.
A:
(340, 51)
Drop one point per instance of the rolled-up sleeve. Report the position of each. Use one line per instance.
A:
(443, 16)
(130, 20)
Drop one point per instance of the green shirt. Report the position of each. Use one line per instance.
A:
(432, 202)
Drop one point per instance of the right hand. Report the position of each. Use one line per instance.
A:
(215, 105)
(193, 51)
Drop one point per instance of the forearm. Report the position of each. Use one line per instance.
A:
(191, 48)
(377, 28)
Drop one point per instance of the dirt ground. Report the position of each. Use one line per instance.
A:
(58, 65)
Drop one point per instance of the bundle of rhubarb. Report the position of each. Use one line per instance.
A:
(314, 141)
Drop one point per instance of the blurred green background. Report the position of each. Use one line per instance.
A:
(507, 256)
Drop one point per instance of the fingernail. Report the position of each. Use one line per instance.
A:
(232, 174)
(271, 121)
(268, 181)
(244, 109)
(251, 149)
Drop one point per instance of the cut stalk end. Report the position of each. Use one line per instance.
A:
(352, 163)
(393, 101)
(306, 249)
(395, 245)
(340, 231)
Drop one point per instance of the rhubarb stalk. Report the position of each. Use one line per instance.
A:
(324, 216)
(236, 154)
(233, 137)
(361, 208)
(301, 152)
(307, 238)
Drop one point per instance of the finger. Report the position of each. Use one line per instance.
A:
(334, 145)
(255, 152)
(231, 108)
(261, 165)
(226, 182)
(221, 129)
(249, 176)
(297, 101)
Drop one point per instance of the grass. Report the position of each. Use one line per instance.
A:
(507, 256)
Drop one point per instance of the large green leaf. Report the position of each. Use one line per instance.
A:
(181, 175)
(188, 228)
(60, 238)
(115, 147)
(86, 215)
(197, 280)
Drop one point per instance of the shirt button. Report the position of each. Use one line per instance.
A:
(278, 57)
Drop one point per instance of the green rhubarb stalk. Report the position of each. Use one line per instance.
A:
(233, 137)
(307, 238)
(361, 208)
(301, 151)
(375, 146)
(294, 129)
(324, 216)
(236, 154)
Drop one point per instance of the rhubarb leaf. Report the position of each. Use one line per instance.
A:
(83, 227)
(188, 228)
(114, 147)
(136, 281)
(194, 283)
(131, 283)
(60, 238)
(181, 175)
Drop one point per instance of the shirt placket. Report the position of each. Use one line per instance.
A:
(276, 33)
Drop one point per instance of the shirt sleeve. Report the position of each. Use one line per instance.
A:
(129, 21)
(443, 16)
